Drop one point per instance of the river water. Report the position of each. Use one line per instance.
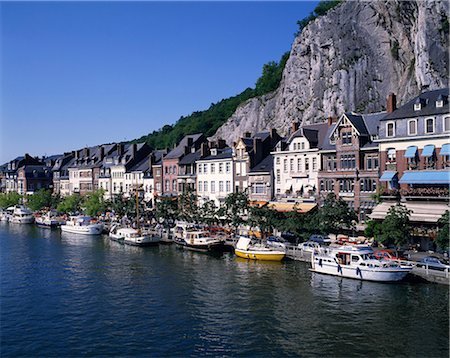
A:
(68, 295)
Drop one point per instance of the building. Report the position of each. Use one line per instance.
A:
(10, 178)
(170, 163)
(248, 152)
(260, 181)
(31, 178)
(297, 163)
(350, 161)
(157, 172)
(215, 174)
(61, 174)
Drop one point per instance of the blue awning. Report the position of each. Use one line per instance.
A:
(388, 176)
(426, 177)
(411, 152)
(445, 150)
(428, 150)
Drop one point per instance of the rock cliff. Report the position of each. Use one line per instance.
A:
(349, 60)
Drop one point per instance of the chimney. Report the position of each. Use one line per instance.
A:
(391, 104)
(190, 141)
(77, 154)
(221, 143)
(186, 150)
(119, 149)
(86, 152)
(257, 149)
(247, 135)
(151, 161)
(204, 150)
(102, 152)
(273, 132)
(211, 144)
(134, 149)
(295, 126)
(331, 120)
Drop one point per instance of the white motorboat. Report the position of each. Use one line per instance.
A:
(135, 237)
(48, 220)
(83, 225)
(6, 215)
(246, 249)
(357, 262)
(199, 240)
(22, 215)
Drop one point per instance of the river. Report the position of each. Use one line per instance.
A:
(68, 295)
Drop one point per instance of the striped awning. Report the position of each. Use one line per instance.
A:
(428, 150)
(445, 150)
(411, 151)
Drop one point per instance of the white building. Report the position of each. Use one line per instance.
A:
(215, 176)
(297, 163)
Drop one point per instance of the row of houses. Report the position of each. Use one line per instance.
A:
(398, 153)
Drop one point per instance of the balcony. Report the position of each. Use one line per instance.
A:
(425, 193)
(391, 166)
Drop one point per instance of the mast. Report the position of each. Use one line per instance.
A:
(137, 208)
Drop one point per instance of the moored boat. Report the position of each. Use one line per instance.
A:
(200, 240)
(357, 262)
(83, 225)
(137, 238)
(22, 215)
(48, 220)
(248, 250)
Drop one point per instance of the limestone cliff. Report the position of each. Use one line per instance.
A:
(351, 59)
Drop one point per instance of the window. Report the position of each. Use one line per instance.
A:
(391, 152)
(303, 145)
(220, 168)
(348, 161)
(291, 165)
(278, 176)
(327, 185)
(213, 168)
(228, 186)
(199, 169)
(417, 106)
(213, 187)
(285, 165)
(306, 164)
(314, 164)
(205, 168)
(167, 185)
(346, 185)
(368, 185)
(259, 188)
(227, 167)
(220, 186)
(278, 160)
(205, 186)
(446, 124)
(330, 163)
(295, 146)
(174, 185)
(429, 125)
(371, 162)
(412, 127)
(158, 187)
(200, 186)
(390, 129)
(299, 165)
(347, 138)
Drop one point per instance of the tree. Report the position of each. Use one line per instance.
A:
(442, 239)
(9, 199)
(166, 211)
(208, 213)
(263, 217)
(335, 216)
(234, 209)
(373, 229)
(70, 204)
(94, 203)
(40, 199)
(188, 209)
(396, 228)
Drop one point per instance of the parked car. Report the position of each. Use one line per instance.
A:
(276, 241)
(433, 261)
(320, 239)
(389, 255)
(309, 246)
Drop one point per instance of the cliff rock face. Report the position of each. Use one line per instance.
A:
(350, 60)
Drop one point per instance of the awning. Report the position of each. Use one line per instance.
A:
(284, 207)
(428, 150)
(445, 150)
(388, 176)
(420, 212)
(411, 152)
(426, 177)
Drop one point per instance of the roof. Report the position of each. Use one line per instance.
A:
(142, 166)
(225, 153)
(428, 100)
(372, 122)
(178, 151)
(326, 144)
(266, 165)
(358, 122)
(190, 158)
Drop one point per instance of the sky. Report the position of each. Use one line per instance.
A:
(84, 73)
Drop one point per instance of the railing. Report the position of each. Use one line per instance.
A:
(425, 192)
(391, 166)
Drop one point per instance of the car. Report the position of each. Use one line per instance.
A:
(433, 261)
(276, 241)
(309, 246)
(389, 255)
(320, 239)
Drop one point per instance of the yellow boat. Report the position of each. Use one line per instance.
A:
(246, 250)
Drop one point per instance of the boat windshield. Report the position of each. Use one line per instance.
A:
(368, 257)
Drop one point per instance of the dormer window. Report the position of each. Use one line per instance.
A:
(390, 129)
(439, 103)
(417, 106)
(214, 151)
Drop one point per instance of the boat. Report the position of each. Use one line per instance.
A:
(358, 262)
(22, 215)
(6, 215)
(200, 240)
(257, 251)
(133, 237)
(48, 220)
(83, 225)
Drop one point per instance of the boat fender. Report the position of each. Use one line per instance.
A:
(339, 268)
(320, 262)
(358, 272)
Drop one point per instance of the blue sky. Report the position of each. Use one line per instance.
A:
(79, 73)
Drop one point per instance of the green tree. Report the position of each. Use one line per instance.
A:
(235, 209)
(442, 239)
(9, 199)
(335, 216)
(271, 76)
(396, 228)
(188, 209)
(373, 229)
(94, 203)
(263, 217)
(166, 211)
(208, 213)
(40, 199)
(70, 204)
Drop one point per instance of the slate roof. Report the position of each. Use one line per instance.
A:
(225, 153)
(326, 144)
(428, 100)
(265, 165)
(178, 151)
(314, 133)
(190, 158)
(372, 122)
